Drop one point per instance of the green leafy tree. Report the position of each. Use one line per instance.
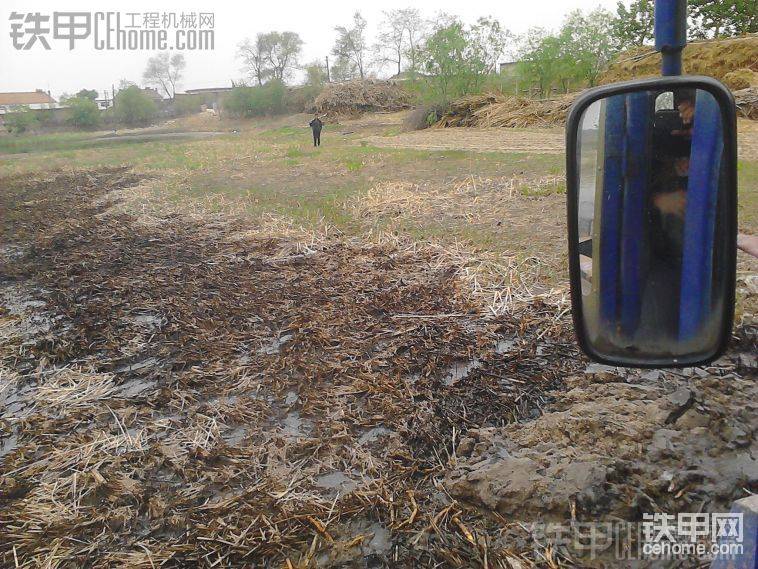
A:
(458, 59)
(587, 41)
(272, 55)
(285, 48)
(633, 24)
(133, 107)
(90, 94)
(84, 112)
(268, 99)
(715, 18)
(542, 62)
(576, 55)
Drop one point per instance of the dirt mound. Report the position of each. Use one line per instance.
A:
(715, 58)
(352, 98)
(747, 102)
(741, 79)
(496, 110)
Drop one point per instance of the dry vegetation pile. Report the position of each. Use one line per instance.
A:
(717, 59)
(496, 110)
(175, 395)
(353, 98)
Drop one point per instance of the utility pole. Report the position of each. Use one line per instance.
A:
(328, 77)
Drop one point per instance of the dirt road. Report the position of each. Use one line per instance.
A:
(179, 394)
(534, 140)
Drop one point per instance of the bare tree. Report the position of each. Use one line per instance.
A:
(393, 42)
(255, 58)
(164, 71)
(416, 30)
(350, 46)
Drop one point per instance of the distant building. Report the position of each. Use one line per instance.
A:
(105, 103)
(507, 67)
(212, 97)
(38, 99)
(208, 91)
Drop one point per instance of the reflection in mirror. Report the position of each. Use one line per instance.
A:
(651, 225)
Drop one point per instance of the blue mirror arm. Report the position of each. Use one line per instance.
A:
(670, 34)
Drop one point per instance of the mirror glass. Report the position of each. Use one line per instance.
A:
(653, 232)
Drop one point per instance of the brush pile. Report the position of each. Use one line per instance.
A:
(715, 58)
(353, 98)
(496, 110)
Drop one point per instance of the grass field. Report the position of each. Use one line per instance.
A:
(507, 202)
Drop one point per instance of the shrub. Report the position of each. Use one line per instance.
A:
(188, 104)
(20, 121)
(83, 113)
(133, 107)
(256, 101)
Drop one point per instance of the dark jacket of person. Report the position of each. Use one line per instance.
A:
(316, 125)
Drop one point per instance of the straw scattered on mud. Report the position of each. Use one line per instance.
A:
(189, 396)
(186, 393)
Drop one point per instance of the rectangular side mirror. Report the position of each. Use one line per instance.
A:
(652, 218)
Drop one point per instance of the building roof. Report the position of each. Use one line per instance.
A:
(207, 90)
(37, 97)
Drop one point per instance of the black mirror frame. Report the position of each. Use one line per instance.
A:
(729, 117)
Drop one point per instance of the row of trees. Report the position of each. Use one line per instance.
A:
(456, 58)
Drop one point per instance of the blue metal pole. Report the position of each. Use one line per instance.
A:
(670, 34)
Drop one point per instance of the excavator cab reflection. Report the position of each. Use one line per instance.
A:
(650, 224)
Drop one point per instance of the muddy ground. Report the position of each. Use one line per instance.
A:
(179, 393)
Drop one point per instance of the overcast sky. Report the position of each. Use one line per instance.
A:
(62, 70)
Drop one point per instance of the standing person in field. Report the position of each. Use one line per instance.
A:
(316, 125)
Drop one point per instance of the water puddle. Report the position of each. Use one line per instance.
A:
(373, 434)
(149, 320)
(235, 436)
(275, 346)
(460, 370)
(141, 366)
(8, 445)
(294, 426)
(336, 482)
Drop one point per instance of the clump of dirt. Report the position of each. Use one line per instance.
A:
(353, 98)
(715, 58)
(618, 444)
